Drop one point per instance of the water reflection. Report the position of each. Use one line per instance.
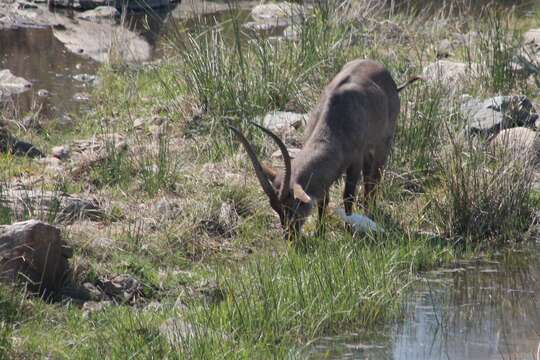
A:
(36, 55)
(476, 311)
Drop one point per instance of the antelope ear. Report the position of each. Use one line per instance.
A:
(269, 171)
(300, 194)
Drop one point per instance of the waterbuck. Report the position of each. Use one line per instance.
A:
(350, 132)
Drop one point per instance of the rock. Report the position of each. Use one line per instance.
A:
(52, 165)
(9, 144)
(469, 39)
(518, 143)
(275, 16)
(445, 49)
(123, 287)
(11, 84)
(100, 12)
(222, 224)
(31, 121)
(154, 306)
(138, 123)
(284, 12)
(159, 120)
(102, 242)
(228, 217)
(529, 55)
(177, 331)
(65, 121)
(188, 9)
(92, 291)
(85, 77)
(43, 93)
(102, 42)
(34, 253)
(60, 152)
(25, 5)
(532, 39)
(80, 4)
(292, 32)
(276, 155)
(167, 209)
(389, 30)
(281, 120)
(264, 27)
(497, 113)
(81, 97)
(449, 73)
(57, 207)
(91, 307)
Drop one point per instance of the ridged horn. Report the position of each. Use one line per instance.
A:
(285, 186)
(265, 184)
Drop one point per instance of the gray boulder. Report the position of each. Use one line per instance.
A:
(80, 4)
(92, 4)
(48, 205)
(9, 144)
(518, 144)
(11, 84)
(102, 42)
(451, 74)
(501, 112)
(34, 253)
(283, 120)
(276, 16)
(100, 12)
(275, 12)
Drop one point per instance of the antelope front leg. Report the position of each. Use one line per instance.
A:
(321, 207)
(349, 193)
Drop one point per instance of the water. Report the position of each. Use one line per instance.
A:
(36, 55)
(485, 310)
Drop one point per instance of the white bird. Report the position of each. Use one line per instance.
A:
(359, 223)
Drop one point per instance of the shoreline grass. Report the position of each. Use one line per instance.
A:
(196, 230)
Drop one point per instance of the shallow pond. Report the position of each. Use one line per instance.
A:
(484, 310)
(38, 56)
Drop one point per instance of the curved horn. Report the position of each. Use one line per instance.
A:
(285, 186)
(268, 189)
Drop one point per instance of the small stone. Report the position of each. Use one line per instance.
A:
(84, 77)
(445, 49)
(92, 291)
(451, 74)
(277, 155)
(292, 32)
(158, 120)
(519, 143)
(281, 120)
(154, 306)
(31, 122)
(81, 97)
(32, 252)
(91, 307)
(60, 152)
(65, 121)
(497, 113)
(100, 12)
(102, 242)
(43, 93)
(11, 84)
(138, 123)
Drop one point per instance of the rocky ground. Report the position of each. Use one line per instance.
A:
(136, 207)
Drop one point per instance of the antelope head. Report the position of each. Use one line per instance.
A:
(287, 197)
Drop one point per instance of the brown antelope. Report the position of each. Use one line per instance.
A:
(351, 131)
